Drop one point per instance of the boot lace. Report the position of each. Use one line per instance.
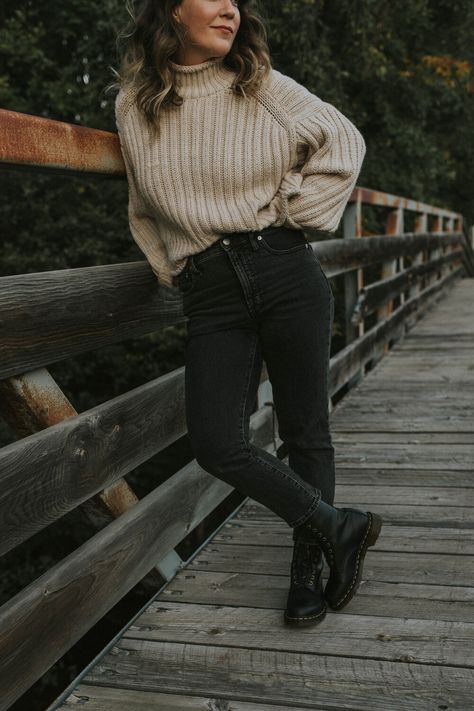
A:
(305, 564)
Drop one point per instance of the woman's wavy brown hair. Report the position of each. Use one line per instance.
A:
(152, 37)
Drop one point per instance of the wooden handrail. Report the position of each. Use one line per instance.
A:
(101, 305)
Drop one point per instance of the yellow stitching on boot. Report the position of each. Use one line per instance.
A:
(308, 617)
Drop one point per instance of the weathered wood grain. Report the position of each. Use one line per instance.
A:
(404, 539)
(395, 639)
(437, 439)
(97, 698)
(396, 423)
(282, 677)
(93, 307)
(374, 597)
(401, 515)
(390, 566)
(403, 477)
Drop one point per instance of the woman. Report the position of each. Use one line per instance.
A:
(227, 160)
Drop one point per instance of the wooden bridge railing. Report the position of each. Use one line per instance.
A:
(64, 459)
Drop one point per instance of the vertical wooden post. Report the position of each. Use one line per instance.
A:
(354, 280)
(395, 226)
(447, 249)
(421, 226)
(437, 226)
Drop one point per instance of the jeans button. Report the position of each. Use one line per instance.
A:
(259, 236)
(226, 240)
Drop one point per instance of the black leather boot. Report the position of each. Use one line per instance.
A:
(305, 605)
(344, 535)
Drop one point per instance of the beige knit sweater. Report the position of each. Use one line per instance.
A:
(226, 164)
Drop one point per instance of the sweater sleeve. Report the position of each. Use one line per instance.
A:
(336, 150)
(142, 225)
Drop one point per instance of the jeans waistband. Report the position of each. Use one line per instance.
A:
(235, 240)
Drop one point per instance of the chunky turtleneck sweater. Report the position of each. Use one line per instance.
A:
(224, 163)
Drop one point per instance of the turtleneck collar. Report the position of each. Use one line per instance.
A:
(209, 77)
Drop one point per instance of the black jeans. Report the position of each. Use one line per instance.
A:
(253, 296)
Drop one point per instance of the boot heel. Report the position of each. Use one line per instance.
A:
(376, 525)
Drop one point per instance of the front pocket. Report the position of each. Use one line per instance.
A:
(284, 241)
(316, 259)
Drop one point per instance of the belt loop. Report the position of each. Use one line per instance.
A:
(193, 266)
(253, 241)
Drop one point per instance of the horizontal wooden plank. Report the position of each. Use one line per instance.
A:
(98, 698)
(456, 376)
(389, 566)
(433, 439)
(456, 325)
(361, 495)
(397, 423)
(432, 344)
(396, 455)
(372, 391)
(374, 597)
(420, 359)
(399, 515)
(374, 413)
(458, 401)
(361, 636)
(127, 302)
(392, 538)
(282, 677)
(63, 148)
(403, 477)
(340, 256)
(94, 307)
(427, 333)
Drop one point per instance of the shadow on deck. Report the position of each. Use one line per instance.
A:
(214, 638)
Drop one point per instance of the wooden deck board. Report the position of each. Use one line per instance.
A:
(214, 638)
(374, 597)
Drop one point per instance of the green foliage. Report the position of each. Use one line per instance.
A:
(403, 73)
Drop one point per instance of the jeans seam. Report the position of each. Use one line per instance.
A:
(245, 280)
(207, 257)
(328, 358)
(307, 514)
(255, 456)
(271, 250)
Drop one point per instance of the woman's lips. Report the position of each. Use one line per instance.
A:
(223, 29)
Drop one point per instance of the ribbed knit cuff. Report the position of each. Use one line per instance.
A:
(165, 279)
(289, 186)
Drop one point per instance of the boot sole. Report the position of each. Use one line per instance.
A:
(308, 621)
(370, 537)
